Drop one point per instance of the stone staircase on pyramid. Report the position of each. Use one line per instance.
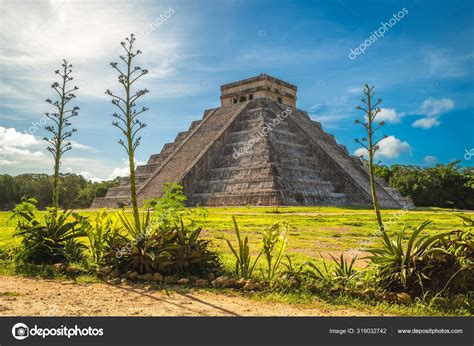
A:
(294, 163)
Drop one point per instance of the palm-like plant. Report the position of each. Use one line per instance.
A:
(52, 239)
(243, 262)
(401, 267)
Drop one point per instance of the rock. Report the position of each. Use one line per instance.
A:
(249, 286)
(60, 266)
(114, 281)
(157, 277)
(74, 271)
(170, 280)
(201, 283)
(145, 277)
(183, 281)
(460, 301)
(231, 282)
(389, 297)
(222, 282)
(404, 298)
(439, 302)
(211, 276)
(257, 286)
(123, 280)
(240, 283)
(132, 276)
(369, 293)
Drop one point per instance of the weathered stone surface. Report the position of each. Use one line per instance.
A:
(289, 159)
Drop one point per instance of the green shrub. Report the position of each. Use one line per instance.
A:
(273, 246)
(170, 209)
(99, 234)
(243, 262)
(437, 263)
(51, 239)
(154, 249)
(341, 274)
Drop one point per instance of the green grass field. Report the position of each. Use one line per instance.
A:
(313, 230)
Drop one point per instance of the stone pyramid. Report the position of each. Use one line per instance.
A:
(256, 149)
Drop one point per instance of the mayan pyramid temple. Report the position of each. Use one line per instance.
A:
(257, 148)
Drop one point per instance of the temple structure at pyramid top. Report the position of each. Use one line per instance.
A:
(257, 148)
(258, 87)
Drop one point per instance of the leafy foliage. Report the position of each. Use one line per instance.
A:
(153, 249)
(273, 246)
(52, 239)
(425, 263)
(170, 209)
(243, 262)
(445, 186)
(75, 192)
(99, 234)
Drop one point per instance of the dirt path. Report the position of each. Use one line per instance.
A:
(40, 297)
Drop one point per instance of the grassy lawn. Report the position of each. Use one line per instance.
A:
(313, 230)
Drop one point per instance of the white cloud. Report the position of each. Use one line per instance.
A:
(430, 160)
(90, 176)
(389, 115)
(389, 148)
(15, 147)
(433, 107)
(11, 137)
(124, 171)
(426, 123)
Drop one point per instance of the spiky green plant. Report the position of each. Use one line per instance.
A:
(243, 262)
(274, 243)
(401, 267)
(51, 239)
(99, 233)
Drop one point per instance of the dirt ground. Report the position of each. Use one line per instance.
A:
(40, 297)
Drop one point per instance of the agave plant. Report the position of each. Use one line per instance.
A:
(243, 263)
(51, 239)
(402, 267)
(342, 273)
(191, 253)
(274, 243)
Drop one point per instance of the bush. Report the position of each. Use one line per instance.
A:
(438, 263)
(159, 250)
(243, 262)
(52, 239)
(100, 234)
(273, 247)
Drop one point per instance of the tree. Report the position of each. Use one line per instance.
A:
(127, 117)
(370, 142)
(61, 122)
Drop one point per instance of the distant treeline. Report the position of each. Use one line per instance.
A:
(75, 191)
(446, 186)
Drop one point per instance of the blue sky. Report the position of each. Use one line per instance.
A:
(422, 68)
